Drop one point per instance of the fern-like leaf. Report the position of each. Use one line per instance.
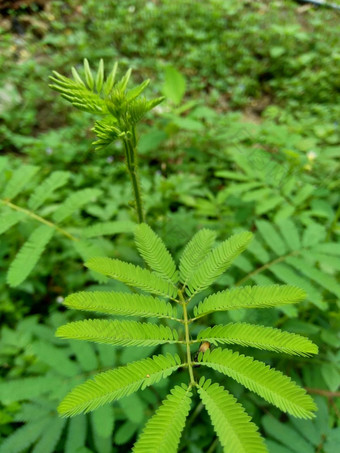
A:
(29, 254)
(124, 304)
(8, 219)
(195, 252)
(75, 91)
(76, 434)
(20, 177)
(74, 202)
(270, 384)
(108, 228)
(132, 275)
(162, 432)
(22, 389)
(154, 253)
(259, 337)
(139, 107)
(46, 188)
(115, 384)
(23, 437)
(50, 436)
(250, 297)
(217, 262)
(106, 131)
(122, 333)
(232, 424)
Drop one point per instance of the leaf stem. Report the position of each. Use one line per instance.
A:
(266, 266)
(38, 218)
(326, 393)
(187, 337)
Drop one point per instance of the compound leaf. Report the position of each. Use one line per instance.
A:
(115, 384)
(154, 253)
(50, 436)
(20, 177)
(124, 304)
(232, 424)
(23, 437)
(8, 219)
(132, 275)
(270, 384)
(29, 254)
(46, 188)
(123, 333)
(108, 228)
(74, 202)
(76, 434)
(250, 297)
(162, 432)
(217, 262)
(259, 337)
(195, 252)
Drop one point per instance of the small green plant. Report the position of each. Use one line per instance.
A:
(172, 291)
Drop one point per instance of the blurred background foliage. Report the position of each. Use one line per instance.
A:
(248, 138)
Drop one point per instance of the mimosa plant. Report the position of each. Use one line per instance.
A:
(165, 291)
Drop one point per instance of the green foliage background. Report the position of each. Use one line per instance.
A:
(248, 138)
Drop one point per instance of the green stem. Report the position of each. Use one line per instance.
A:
(132, 166)
(187, 338)
(213, 446)
(39, 219)
(266, 266)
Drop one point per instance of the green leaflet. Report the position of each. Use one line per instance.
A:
(124, 304)
(217, 262)
(8, 219)
(25, 388)
(74, 202)
(155, 254)
(259, 337)
(76, 435)
(20, 177)
(271, 237)
(250, 297)
(132, 275)
(328, 282)
(108, 229)
(78, 94)
(290, 233)
(272, 385)
(123, 333)
(102, 422)
(115, 384)
(232, 424)
(195, 252)
(162, 432)
(50, 436)
(46, 188)
(23, 437)
(292, 276)
(29, 254)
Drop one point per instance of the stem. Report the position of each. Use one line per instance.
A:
(40, 219)
(132, 166)
(187, 338)
(322, 392)
(213, 446)
(265, 266)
